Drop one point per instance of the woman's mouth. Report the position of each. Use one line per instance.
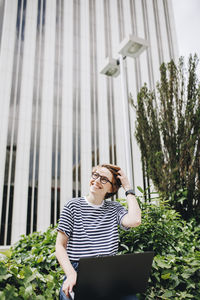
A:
(96, 186)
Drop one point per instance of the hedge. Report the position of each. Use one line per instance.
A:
(32, 271)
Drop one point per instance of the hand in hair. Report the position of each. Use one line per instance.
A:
(124, 180)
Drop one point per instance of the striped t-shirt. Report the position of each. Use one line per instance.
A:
(92, 229)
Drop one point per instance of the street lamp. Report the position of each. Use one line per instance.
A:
(131, 46)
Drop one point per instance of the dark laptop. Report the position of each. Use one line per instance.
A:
(111, 277)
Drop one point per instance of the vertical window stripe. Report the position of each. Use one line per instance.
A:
(168, 25)
(57, 115)
(36, 121)
(76, 101)
(94, 87)
(158, 32)
(111, 114)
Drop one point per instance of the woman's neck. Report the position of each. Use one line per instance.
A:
(94, 199)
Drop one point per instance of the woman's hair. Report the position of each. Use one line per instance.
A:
(116, 183)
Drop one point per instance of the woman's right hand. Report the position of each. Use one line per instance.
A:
(69, 283)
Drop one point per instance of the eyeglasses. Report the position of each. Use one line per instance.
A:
(103, 179)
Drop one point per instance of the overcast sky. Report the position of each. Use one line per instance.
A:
(187, 21)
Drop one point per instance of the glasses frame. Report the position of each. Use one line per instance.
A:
(101, 178)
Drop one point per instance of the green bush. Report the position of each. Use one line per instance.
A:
(162, 231)
(176, 243)
(32, 271)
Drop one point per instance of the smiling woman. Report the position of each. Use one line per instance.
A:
(88, 225)
(110, 173)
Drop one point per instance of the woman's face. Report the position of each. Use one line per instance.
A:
(98, 184)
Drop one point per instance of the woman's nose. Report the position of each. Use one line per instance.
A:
(99, 179)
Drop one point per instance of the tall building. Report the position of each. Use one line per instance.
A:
(58, 115)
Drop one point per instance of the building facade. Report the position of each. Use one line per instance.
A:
(58, 115)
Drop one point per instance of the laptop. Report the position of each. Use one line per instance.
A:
(112, 277)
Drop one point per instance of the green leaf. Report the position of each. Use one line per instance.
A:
(29, 290)
(161, 263)
(140, 189)
(14, 269)
(124, 246)
(40, 259)
(5, 277)
(167, 294)
(186, 275)
(166, 276)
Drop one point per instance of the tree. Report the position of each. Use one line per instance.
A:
(168, 134)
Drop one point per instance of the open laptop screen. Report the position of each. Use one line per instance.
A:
(111, 277)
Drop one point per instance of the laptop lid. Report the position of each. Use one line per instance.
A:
(111, 277)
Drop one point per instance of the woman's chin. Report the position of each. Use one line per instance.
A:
(94, 189)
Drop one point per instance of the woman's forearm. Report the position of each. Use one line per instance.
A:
(133, 218)
(63, 259)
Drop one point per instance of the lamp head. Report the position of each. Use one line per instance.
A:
(132, 46)
(111, 67)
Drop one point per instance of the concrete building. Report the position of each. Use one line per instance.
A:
(58, 115)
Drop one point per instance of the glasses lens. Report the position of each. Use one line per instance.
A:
(104, 180)
(95, 175)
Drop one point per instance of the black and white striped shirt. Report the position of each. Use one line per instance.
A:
(92, 229)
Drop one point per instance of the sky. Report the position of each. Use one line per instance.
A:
(187, 21)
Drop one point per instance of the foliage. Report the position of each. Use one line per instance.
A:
(168, 133)
(32, 271)
(176, 243)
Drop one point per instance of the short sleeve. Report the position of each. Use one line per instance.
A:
(66, 220)
(121, 212)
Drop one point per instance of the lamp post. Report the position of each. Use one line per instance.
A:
(131, 46)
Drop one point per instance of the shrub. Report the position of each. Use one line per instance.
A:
(32, 271)
(176, 243)
(175, 277)
(162, 231)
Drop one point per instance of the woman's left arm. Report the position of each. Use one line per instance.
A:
(133, 217)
